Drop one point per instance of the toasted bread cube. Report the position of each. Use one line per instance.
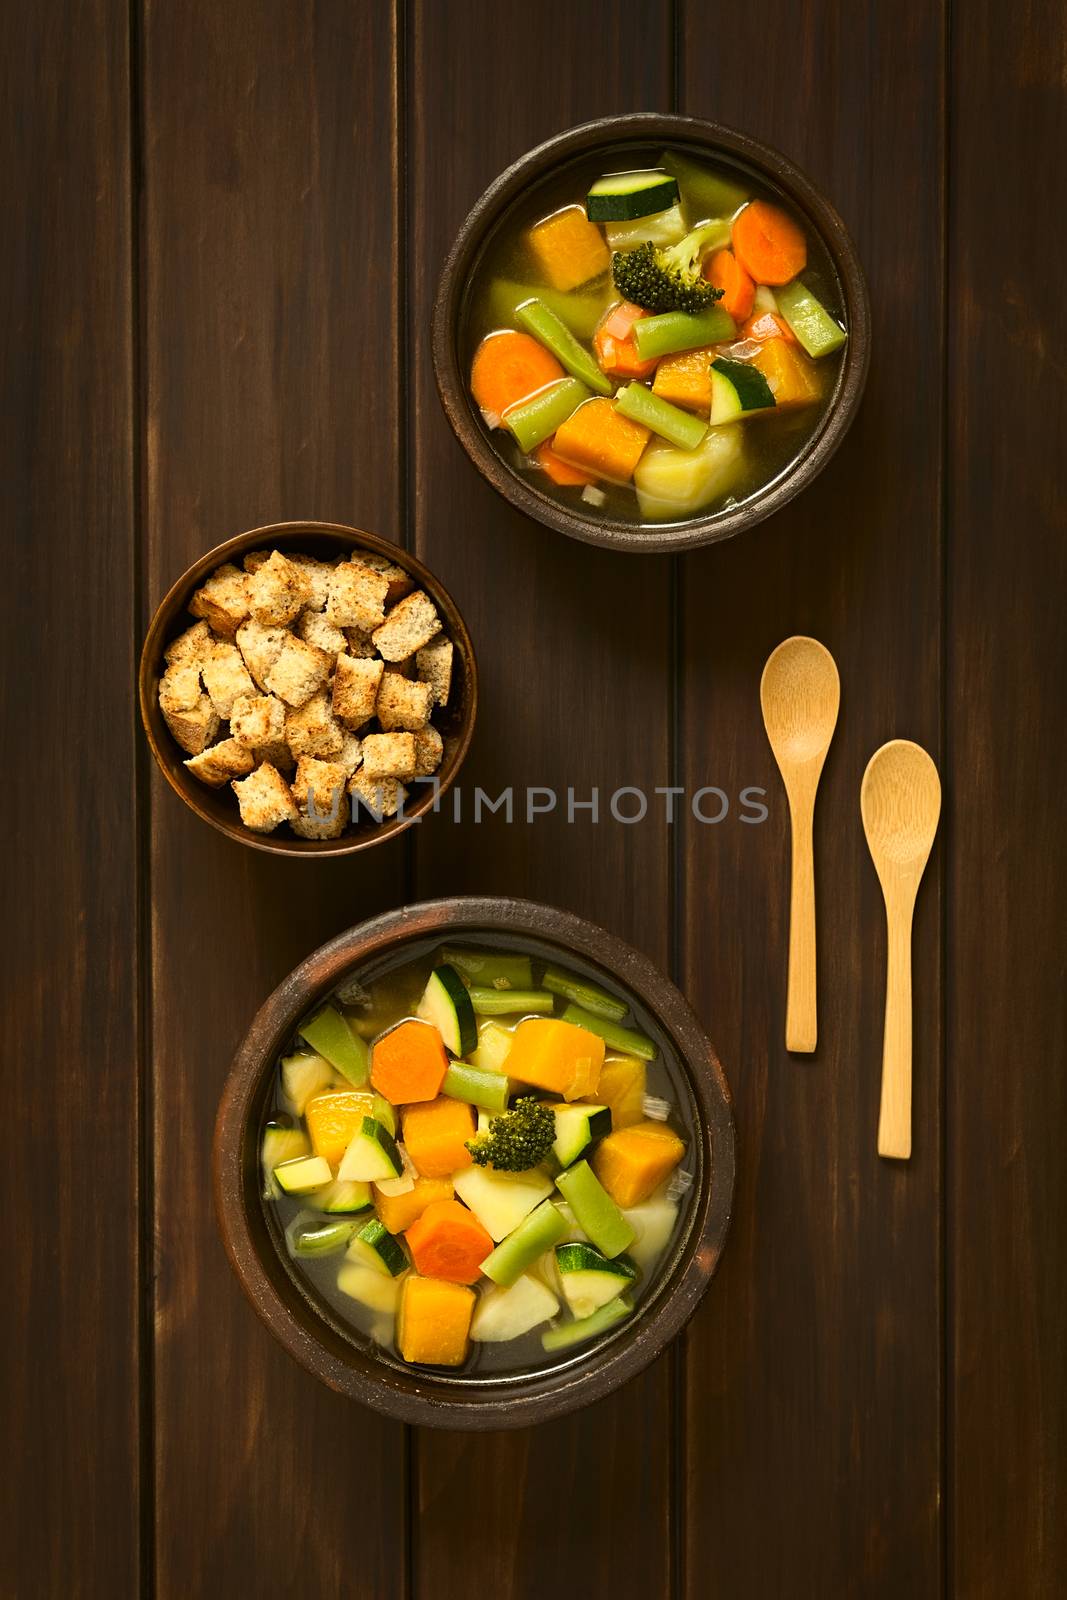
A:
(223, 600)
(403, 703)
(429, 749)
(317, 574)
(278, 591)
(433, 663)
(356, 596)
(190, 647)
(265, 799)
(221, 762)
(382, 797)
(261, 648)
(351, 753)
(299, 672)
(315, 628)
(180, 688)
(255, 559)
(355, 690)
(319, 791)
(568, 248)
(400, 582)
(411, 624)
(360, 644)
(226, 678)
(257, 719)
(277, 753)
(389, 755)
(312, 730)
(193, 727)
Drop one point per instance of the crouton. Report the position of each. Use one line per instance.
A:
(310, 730)
(190, 647)
(180, 688)
(400, 582)
(357, 596)
(389, 755)
(299, 671)
(433, 663)
(351, 754)
(360, 644)
(278, 591)
(223, 600)
(256, 720)
(256, 559)
(277, 753)
(429, 748)
(317, 574)
(355, 690)
(319, 791)
(410, 625)
(260, 647)
(226, 678)
(317, 629)
(382, 797)
(194, 726)
(265, 799)
(221, 762)
(403, 703)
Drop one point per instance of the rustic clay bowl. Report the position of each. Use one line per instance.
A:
(615, 136)
(307, 1326)
(219, 806)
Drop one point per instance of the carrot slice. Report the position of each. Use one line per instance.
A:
(726, 273)
(509, 367)
(768, 243)
(765, 325)
(558, 470)
(448, 1242)
(409, 1063)
(616, 349)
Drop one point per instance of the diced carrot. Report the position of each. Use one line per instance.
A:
(448, 1242)
(435, 1136)
(765, 325)
(399, 1211)
(409, 1063)
(684, 379)
(726, 273)
(552, 1054)
(768, 243)
(433, 1321)
(568, 248)
(597, 439)
(616, 348)
(334, 1119)
(558, 470)
(791, 377)
(632, 1162)
(509, 367)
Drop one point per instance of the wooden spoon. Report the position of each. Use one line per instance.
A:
(900, 799)
(800, 692)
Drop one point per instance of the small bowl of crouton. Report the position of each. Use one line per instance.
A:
(308, 688)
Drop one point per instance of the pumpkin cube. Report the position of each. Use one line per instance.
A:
(433, 1321)
(399, 1211)
(632, 1162)
(598, 440)
(622, 1088)
(685, 379)
(791, 376)
(436, 1134)
(568, 248)
(334, 1119)
(556, 1055)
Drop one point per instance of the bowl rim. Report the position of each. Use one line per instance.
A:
(647, 127)
(174, 605)
(422, 1397)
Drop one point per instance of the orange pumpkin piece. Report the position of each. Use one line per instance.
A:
(509, 367)
(435, 1136)
(684, 379)
(334, 1119)
(599, 440)
(790, 375)
(568, 248)
(632, 1162)
(558, 470)
(556, 1055)
(616, 348)
(409, 1063)
(622, 1090)
(448, 1242)
(398, 1211)
(433, 1321)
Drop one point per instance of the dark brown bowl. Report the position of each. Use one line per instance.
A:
(613, 135)
(218, 806)
(334, 1352)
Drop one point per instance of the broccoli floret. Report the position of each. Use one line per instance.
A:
(518, 1139)
(660, 279)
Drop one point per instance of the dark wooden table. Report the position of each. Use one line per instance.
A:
(223, 227)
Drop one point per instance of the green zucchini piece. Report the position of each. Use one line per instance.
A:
(280, 1143)
(581, 312)
(594, 1210)
(737, 389)
(344, 1199)
(511, 1002)
(321, 1239)
(371, 1155)
(303, 1175)
(628, 1040)
(704, 193)
(577, 1128)
(678, 427)
(819, 332)
(384, 1112)
(489, 969)
(535, 420)
(623, 196)
(535, 1234)
(328, 1033)
(551, 331)
(446, 1003)
(677, 330)
(488, 1089)
(568, 1333)
(584, 994)
(374, 1246)
(589, 1280)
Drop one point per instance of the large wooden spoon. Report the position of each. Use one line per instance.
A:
(800, 692)
(900, 799)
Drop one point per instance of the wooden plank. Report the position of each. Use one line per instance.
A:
(814, 1432)
(1006, 1024)
(270, 347)
(69, 1347)
(574, 649)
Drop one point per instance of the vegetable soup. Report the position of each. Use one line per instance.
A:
(479, 1156)
(652, 335)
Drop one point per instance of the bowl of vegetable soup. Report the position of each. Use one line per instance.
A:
(651, 332)
(474, 1163)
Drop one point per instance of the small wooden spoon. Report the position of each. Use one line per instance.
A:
(900, 799)
(800, 692)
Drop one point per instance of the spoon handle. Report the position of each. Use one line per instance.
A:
(894, 1121)
(801, 1025)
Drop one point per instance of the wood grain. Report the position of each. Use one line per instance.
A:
(69, 1506)
(1006, 1018)
(814, 1393)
